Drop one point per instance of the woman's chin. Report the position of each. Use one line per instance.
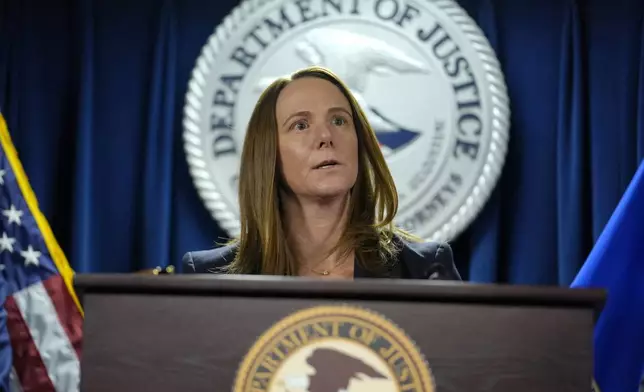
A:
(331, 192)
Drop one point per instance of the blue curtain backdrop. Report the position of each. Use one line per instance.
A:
(93, 91)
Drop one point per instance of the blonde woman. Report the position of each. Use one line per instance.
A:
(316, 196)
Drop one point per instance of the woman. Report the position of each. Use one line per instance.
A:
(316, 196)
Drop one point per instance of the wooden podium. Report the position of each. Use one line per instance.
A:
(197, 333)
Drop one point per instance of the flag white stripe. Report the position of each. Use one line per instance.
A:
(50, 338)
(14, 382)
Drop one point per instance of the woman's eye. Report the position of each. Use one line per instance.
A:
(339, 121)
(299, 125)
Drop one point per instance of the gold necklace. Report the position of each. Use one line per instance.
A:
(328, 271)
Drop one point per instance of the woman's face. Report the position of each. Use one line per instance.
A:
(317, 141)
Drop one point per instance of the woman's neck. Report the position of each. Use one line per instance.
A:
(313, 228)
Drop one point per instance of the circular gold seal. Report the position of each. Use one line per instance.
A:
(334, 348)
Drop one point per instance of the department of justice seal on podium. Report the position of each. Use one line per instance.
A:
(422, 70)
(334, 348)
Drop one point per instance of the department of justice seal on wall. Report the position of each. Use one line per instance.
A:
(334, 348)
(422, 70)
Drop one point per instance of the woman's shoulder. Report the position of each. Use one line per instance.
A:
(210, 260)
(429, 260)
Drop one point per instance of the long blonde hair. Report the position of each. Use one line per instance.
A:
(370, 231)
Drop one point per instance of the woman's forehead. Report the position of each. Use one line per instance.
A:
(310, 94)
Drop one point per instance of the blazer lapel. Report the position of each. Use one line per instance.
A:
(392, 271)
(409, 264)
(414, 264)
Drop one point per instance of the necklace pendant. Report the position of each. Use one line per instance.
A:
(325, 272)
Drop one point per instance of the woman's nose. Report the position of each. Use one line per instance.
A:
(325, 137)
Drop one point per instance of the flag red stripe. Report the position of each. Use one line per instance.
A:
(29, 366)
(68, 314)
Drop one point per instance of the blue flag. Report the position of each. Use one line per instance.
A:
(616, 264)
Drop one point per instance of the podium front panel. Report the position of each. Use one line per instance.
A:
(170, 341)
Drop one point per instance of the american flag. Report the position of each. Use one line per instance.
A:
(41, 318)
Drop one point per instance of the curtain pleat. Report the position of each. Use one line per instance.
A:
(483, 239)
(572, 151)
(11, 27)
(156, 178)
(639, 129)
(83, 228)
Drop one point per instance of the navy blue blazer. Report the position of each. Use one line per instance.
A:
(425, 260)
